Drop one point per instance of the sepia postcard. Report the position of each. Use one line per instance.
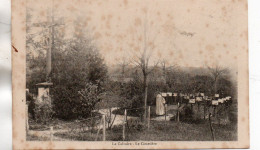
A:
(130, 74)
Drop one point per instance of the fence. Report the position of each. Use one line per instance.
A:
(134, 120)
(118, 124)
(77, 130)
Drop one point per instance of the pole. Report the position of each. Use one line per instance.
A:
(91, 123)
(204, 110)
(104, 127)
(178, 116)
(124, 123)
(99, 127)
(27, 117)
(149, 116)
(211, 128)
(165, 111)
(214, 110)
(199, 113)
(145, 97)
(51, 132)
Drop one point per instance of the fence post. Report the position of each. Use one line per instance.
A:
(214, 110)
(178, 116)
(124, 123)
(104, 127)
(204, 109)
(211, 128)
(51, 132)
(165, 111)
(91, 123)
(227, 110)
(149, 116)
(99, 127)
(27, 117)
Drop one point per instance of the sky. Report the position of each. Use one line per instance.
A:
(190, 33)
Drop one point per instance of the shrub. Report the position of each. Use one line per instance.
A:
(43, 112)
(136, 124)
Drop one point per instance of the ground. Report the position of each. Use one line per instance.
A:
(160, 129)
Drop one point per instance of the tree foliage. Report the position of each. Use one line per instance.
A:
(78, 69)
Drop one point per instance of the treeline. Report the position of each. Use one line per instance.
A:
(177, 80)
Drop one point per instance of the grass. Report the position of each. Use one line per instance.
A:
(59, 123)
(160, 131)
(78, 136)
(172, 131)
(140, 111)
(36, 138)
(196, 129)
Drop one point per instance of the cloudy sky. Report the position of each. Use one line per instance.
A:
(191, 33)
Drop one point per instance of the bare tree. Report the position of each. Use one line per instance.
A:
(217, 72)
(123, 64)
(142, 60)
(163, 64)
(167, 68)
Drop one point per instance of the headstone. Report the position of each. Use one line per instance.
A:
(214, 102)
(192, 101)
(199, 99)
(164, 94)
(221, 100)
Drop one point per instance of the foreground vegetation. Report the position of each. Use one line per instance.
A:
(188, 129)
(161, 131)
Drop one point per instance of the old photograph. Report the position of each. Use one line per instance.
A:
(135, 72)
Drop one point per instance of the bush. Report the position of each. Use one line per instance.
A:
(76, 103)
(186, 115)
(79, 67)
(136, 124)
(43, 112)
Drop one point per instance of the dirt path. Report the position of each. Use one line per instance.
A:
(171, 113)
(119, 118)
(46, 135)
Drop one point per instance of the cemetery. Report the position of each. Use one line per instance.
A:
(179, 111)
(79, 89)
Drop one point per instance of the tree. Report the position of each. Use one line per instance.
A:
(78, 67)
(216, 73)
(123, 64)
(169, 73)
(142, 59)
(202, 84)
(89, 97)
